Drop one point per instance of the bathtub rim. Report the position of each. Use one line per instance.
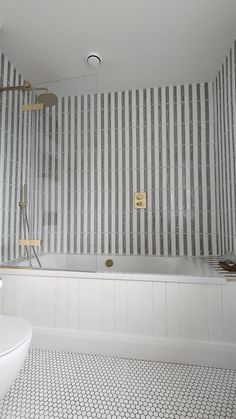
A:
(27, 271)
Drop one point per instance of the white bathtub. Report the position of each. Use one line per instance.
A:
(154, 268)
(169, 309)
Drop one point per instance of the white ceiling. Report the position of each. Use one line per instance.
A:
(143, 43)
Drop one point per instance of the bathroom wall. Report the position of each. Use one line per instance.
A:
(15, 130)
(95, 151)
(225, 139)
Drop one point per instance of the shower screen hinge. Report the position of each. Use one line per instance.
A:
(29, 242)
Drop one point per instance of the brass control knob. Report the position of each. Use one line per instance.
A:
(109, 263)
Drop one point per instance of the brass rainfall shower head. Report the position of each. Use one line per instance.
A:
(44, 100)
(48, 99)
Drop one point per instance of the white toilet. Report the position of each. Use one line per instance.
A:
(15, 338)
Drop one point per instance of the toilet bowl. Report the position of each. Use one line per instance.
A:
(15, 338)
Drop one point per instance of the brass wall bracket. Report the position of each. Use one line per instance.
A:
(26, 87)
(33, 107)
(29, 242)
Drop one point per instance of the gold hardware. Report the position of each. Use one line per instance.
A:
(109, 263)
(24, 242)
(140, 200)
(35, 242)
(25, 87)
(44, 100)
(28, 242)
(33, 107)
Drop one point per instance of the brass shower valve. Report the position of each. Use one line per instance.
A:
(140, 200)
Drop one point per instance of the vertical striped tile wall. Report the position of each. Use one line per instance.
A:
(225, 140)
(15, 132)
(92, 152)
(95, 151)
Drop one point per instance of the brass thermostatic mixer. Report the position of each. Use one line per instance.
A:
(140, 200)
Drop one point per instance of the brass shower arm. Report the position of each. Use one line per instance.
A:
(46, 99)
(41, 88)
(25, 87)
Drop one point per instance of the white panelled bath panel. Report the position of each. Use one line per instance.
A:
(186, 311)
(200, 313)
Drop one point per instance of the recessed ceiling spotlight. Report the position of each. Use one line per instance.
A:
(94, 59)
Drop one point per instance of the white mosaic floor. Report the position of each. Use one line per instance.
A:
(68, 385)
